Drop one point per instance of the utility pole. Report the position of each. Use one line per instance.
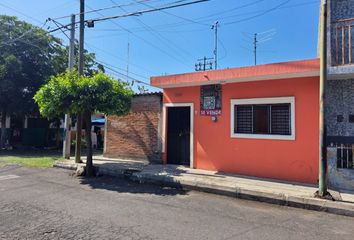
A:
(204, 64)
(215, 27)
(255, 48)
(81, 72)
(67, 135)
(322, 184)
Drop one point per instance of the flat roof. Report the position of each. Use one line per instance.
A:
(283, 70)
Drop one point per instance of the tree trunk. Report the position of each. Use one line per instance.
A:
(89, 165)
(3, 130)
(78, 138)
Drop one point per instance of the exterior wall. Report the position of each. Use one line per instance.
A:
(339, 10)
(342, 179)
(136, 135)
(292, 160)
(340, 99)
(340, 87)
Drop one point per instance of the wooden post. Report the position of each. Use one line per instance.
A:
(349, 44)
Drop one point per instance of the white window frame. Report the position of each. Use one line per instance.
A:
(274, 100)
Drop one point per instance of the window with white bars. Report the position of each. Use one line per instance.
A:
(266, 118)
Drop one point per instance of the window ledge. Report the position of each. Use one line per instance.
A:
(263, 136)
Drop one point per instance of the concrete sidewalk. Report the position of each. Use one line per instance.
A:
(265, 190)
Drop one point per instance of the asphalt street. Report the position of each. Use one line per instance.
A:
(41, 203)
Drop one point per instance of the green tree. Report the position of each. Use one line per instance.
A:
(71, 93)
(26, 54)
(28, 57)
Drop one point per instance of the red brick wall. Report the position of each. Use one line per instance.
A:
(136, 135)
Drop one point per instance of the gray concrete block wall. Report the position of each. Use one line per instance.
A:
(339, 10)
(340, 179)
(340, 101)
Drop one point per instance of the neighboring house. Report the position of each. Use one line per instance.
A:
(136, 136)
(340, 93)
(260, 121)
(31, 132)
(34, 131)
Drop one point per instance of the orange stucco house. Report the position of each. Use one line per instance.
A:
(258, 121)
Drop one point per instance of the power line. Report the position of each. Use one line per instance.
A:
(161, 37)
(60, 43)
(259, 15)
(232, 9)
(224, 48)
(121, 69)
(112, 55)
(146, 41)
(24, 34)
(61, 29)
(122, 74)
(101, 9)
(186, 19)
(23, 14)
(206, 19)
(138, 13)
(208, 16)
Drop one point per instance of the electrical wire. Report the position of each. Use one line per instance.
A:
(138, 13)
(24, 34)
(23, 14)
(102, 9)
(183, 23)
(168, 13)
(166, 41)
(114, 56)
(122, 74)
(260, 14)
(146, 41)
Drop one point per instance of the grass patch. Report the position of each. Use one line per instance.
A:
(29, 161)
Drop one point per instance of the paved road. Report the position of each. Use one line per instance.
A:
(51, 204)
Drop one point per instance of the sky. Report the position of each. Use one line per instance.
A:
(171, 41)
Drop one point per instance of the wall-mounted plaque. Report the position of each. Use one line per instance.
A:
(210, 100)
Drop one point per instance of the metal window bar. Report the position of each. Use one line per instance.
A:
(345, 156)
(342, 44)
(270, 119)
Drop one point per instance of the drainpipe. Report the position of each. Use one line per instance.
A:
(322, 185)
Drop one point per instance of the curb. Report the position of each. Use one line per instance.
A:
(334, 207)
(118, 172)
(68, 166)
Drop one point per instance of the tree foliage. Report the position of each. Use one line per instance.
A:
(28, 57)
(71, 93)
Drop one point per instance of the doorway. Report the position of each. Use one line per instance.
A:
(179, 135)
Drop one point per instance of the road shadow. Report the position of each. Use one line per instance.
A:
(124, 185)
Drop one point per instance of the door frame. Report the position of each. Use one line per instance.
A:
(164, 129)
